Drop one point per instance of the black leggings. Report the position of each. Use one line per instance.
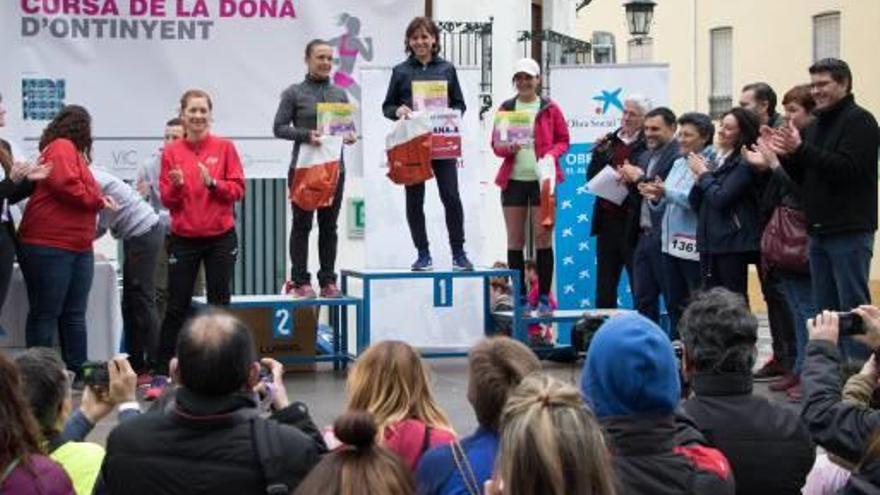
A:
(446, 176)
(185, 254)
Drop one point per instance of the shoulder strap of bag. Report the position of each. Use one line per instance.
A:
(426, 440)
(464, 468)
(9, 469)
(266, 437)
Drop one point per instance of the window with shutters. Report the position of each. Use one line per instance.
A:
(826, 36)
(604, 49)
(721, 90)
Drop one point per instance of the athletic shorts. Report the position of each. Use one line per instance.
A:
(521, 193)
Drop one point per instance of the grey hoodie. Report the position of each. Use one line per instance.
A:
(297, 112)
(134, 217)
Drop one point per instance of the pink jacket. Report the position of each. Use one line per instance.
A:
(551, 137)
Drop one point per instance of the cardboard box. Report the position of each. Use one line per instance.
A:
(300, 344)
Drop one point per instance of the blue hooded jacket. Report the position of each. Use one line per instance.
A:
(631, 369)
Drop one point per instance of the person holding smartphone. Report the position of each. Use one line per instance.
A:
(841, 426)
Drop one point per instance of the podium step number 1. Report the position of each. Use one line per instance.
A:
(443, 292)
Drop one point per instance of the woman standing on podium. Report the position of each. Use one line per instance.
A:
(518, 176)
(297, 120)
(200, 181)
(424, 64)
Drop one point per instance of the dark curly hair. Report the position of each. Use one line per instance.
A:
(719, 332)
(74, 123)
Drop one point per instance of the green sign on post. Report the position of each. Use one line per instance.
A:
(356, 218)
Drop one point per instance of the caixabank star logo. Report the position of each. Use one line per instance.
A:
(608, 99)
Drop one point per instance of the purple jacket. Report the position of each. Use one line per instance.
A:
(39, 476)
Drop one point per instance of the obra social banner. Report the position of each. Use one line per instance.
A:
(592, 99)
(128, 62)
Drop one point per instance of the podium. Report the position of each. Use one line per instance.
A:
(271, 318)
(443, 281)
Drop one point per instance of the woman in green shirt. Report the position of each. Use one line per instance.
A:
(518, 176)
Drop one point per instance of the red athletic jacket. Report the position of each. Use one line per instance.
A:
(61, 212)
(197, 211)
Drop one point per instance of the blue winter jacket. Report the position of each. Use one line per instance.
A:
(678, 230)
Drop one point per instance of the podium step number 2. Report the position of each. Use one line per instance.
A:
(282, 323)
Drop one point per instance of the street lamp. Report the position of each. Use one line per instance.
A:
(639, 14)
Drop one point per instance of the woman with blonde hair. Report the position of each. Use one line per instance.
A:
(391, 382)
(550, 443)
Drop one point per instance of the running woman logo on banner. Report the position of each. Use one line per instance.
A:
(349, 46)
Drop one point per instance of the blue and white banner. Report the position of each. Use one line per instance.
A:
(591, 97)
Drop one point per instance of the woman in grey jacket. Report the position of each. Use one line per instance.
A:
(297, 120)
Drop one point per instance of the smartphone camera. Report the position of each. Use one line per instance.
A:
(850, 323)
(96, 376)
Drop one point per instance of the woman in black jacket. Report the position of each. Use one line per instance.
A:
(783, 192)
(424, 64)
(15, 185)
(726, 201)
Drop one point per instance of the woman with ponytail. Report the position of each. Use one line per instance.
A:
(361, 466)
(550, 443)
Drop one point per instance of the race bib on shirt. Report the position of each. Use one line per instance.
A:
(684, 246)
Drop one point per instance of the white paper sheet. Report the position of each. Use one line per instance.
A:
(608, 184)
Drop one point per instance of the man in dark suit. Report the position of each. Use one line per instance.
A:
(652, 165)
(612, 224)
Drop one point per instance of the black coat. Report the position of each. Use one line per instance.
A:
(767, 446)
(837, 168)
(865, 481)
(665, 455)
(204, 446)
(841, 428)
(727, 209)
(403, 75)
(601, 156)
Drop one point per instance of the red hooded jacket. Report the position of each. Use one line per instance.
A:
(551, 138)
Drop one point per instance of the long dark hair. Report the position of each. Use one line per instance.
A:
(74, 123)
(749, 127)
(19, 434)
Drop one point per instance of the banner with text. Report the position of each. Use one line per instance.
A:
(128, 61)
(592, 99)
